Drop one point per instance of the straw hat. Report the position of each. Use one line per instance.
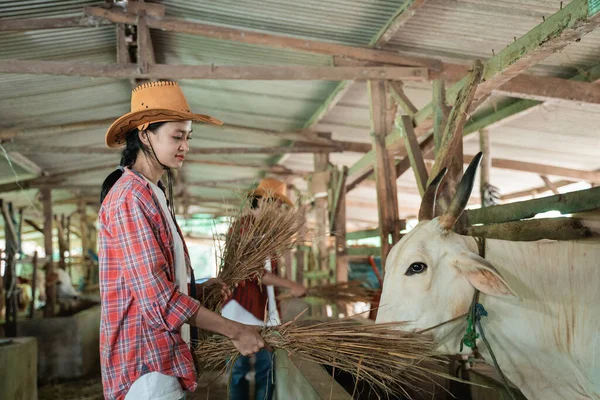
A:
(272, 188)
(153, 102)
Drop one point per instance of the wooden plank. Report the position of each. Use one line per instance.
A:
(145, 49)
(452, 136)
(414, 154)
(30, 24)
(382, 115)
(552, 35)
(321, 165)
(567, 203)
(369, 233)
(591, 176)
(46, 199)
(534, 191)
(213, 72)
(485, 166)
(440, 112)
(364, 251)
(401, 99)
(550, 89)
(549, 184)
(265, 39)
(27, 148)
(339, 230)
(535, 229)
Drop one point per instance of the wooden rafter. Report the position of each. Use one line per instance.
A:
(551, 89)
(156, 71)
(414, 154)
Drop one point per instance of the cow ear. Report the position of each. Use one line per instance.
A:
(483, 275)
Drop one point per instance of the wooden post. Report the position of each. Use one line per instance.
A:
(321, 161)
(300, 265)
(33, 284)
(339, 230)
(68, 239)
(46, 199)
(486, 165)
(383, 111)
(84, 241)
(10, 275)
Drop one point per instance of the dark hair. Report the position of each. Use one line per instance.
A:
(129, 156)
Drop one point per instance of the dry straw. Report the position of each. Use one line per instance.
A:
(344, 292)
(379, 354)
(255, 235)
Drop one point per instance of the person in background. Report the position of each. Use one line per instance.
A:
(254, 303)
(147, 301)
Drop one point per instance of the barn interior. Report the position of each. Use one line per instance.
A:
(354, 105)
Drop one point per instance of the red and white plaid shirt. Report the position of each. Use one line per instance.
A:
(142, 308)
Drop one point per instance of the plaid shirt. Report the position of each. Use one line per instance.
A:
(142, 308)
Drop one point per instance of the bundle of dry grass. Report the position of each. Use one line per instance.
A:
(256, 234)
(344, 292)
(378, 354)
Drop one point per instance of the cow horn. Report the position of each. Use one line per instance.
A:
(463, 192)
(428, 202)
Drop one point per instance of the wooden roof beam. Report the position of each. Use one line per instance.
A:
(550, 89)
(251, 72)
(567, 25)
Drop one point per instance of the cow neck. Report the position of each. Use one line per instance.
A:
(476, 312)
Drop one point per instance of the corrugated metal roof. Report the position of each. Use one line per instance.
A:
(466, 30)
(343, 21)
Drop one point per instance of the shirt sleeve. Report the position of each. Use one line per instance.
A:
(145, 269)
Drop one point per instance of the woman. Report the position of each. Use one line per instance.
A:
(254, 302)
(144, 263)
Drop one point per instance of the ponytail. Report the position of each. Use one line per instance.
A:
(129, 156)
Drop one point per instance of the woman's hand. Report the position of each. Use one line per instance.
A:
(247, 339)
(225, 291)
(297, 289)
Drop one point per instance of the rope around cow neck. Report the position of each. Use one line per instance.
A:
(476, 311)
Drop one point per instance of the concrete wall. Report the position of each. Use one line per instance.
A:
(68, 346)
(18, 369)
(304, 380)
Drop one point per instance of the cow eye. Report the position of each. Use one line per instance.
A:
(416, 268)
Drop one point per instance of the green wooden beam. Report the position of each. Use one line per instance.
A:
(567, 203)
(534, 229)
(555, 33)
(364, 251)
(369, 233)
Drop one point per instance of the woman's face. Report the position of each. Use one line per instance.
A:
(171, 142)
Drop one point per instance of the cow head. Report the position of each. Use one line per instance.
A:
(432, 273)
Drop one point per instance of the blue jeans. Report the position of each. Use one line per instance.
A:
(265, 370)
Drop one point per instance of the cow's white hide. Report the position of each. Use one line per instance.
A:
(547, 340)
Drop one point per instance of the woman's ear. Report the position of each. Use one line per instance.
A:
(143, 135)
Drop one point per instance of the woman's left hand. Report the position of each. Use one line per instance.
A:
(225, 291)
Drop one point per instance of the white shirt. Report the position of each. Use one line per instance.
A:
(154, 385)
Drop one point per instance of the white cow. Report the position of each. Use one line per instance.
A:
(543, 299)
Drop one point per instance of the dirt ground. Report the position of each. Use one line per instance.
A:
(211, 387)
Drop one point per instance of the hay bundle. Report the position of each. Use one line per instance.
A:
(255, 235)
(379, 354)
(344, 292)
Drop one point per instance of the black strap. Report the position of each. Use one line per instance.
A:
(193, 330)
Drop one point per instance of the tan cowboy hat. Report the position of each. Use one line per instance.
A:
(272, 188)
(154, 102)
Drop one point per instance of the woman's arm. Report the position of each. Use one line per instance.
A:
(296, 289)
(245, 338)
